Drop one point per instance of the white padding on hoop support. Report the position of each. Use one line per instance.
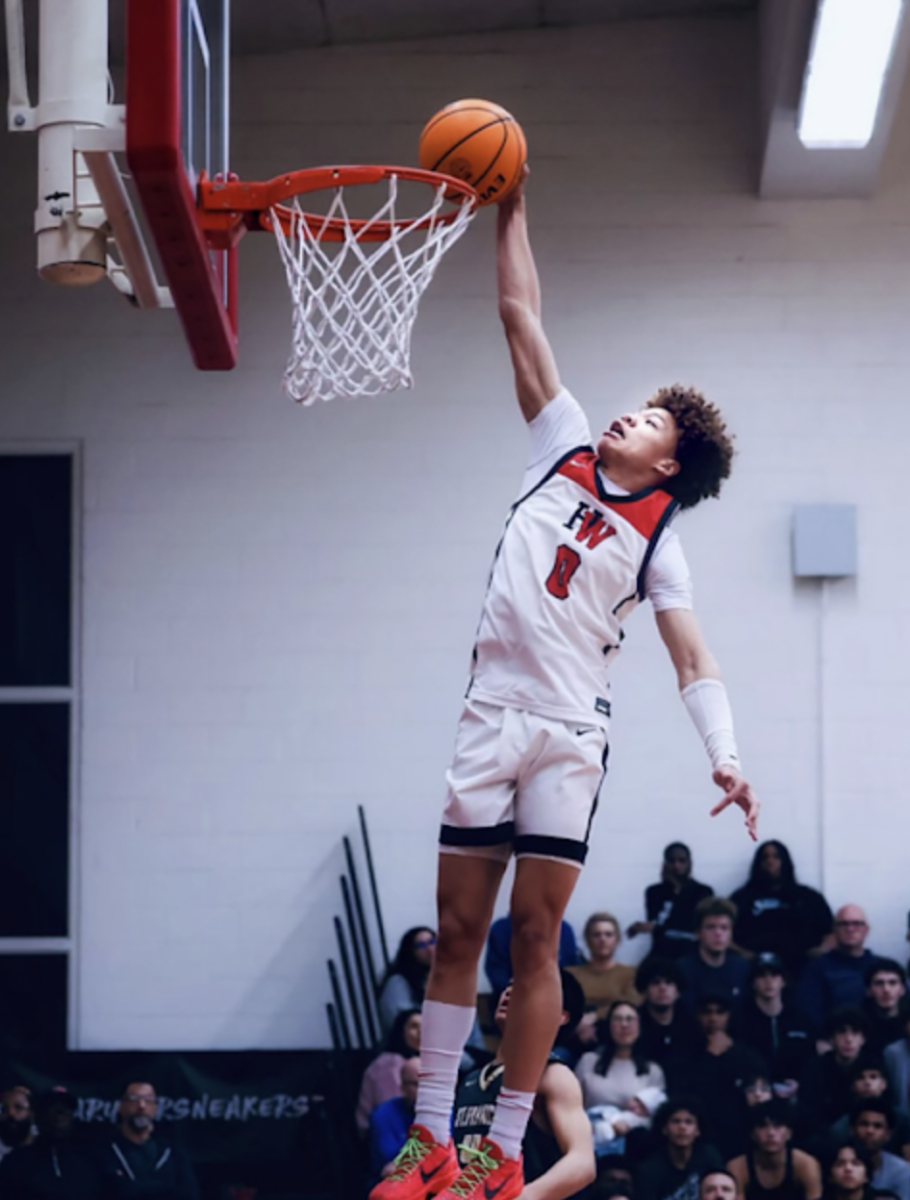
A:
(354, 300)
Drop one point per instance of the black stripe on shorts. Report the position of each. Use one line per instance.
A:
(485, 835)
(552, 847)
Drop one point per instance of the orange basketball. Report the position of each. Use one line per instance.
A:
(477, 141)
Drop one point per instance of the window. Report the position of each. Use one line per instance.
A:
(37, 721)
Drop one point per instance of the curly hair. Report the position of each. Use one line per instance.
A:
(705, 449)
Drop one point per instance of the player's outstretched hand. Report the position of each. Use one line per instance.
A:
(739, 792)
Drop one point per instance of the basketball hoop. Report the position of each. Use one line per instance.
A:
(355, 283)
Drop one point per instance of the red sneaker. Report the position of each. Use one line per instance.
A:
(487, 1176)
(423, 1168)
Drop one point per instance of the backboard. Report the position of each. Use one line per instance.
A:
(177, 127)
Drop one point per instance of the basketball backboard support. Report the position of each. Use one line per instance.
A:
(177, 128)
(350, 337)
(173, 128)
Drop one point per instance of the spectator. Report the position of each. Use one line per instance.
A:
(713, 969)
(602, 978)
(850, 1173)
(389, 1122)
(757, 1089)
(670, 905)
(897, 1067)
(718, 1185)
(136, 1161)
(16, 1119)
(382, 1078)
(557, 1151)
(777, 914)
(406, 979)
(771, 1169)
(673, 1171)
(772, 1024)
(498, 960)
(838, 977)
(618, 1070)
(868, 1080)
(670, 1035)
(53, 1165)
(872, 1123)
(886, 986)
(719, 1073)
(825, 1087)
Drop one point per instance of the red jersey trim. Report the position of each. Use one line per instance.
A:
(643, 513)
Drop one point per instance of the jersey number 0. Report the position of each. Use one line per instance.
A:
(565, 565)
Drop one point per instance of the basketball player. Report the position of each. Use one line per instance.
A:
(587, 540)
(558, 1148)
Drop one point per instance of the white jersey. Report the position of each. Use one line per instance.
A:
(572, 563)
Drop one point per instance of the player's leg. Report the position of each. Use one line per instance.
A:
(466, 893)
(563, 766)
(540, 895)
(475, 847)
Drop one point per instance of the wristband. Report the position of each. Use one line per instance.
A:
(707, 704)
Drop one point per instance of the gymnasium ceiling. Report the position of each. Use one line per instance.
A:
(259, 27)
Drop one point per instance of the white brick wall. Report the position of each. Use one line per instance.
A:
(279, 605)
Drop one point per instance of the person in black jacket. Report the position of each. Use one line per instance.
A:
(825, 1089)
(717, 1076)
(670, 905)
(670, 1035)
(770, 1023)
(55, 1166)
(681, 1158)
(136, 1161)
(777, 914)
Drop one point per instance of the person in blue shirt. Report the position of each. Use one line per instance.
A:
(498, 962)
(390, 1122)
(838, 978)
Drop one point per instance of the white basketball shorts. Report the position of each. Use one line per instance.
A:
(523, 783)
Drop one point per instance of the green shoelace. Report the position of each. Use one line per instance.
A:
(414, 1151)
(480, 1164)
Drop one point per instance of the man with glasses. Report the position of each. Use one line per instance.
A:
(838, 978)
(137, 1161)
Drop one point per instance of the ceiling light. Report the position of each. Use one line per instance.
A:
(848, 62)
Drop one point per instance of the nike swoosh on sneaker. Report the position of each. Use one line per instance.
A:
(426, 1176)
(490, 1193)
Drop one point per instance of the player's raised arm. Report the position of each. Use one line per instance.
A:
(536, 376)
(705, 698)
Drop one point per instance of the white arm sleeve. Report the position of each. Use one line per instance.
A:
(707, 704)
(560, 426)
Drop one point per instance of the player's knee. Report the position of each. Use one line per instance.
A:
(460, 937)
(535, 942)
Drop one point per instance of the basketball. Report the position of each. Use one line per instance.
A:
(477, 141)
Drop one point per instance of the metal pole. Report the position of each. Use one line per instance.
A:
(366, 998)
(333, 1026)
(361, 916)
(339, 1007)
(349, 980)
(369, 857)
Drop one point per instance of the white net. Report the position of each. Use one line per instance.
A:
(354, 300)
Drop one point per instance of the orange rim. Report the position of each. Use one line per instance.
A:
(228, 208)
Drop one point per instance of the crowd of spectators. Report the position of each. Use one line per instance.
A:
(760, 1041)
(45, 1153)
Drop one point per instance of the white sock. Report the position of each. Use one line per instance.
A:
(443, 1032)
(510, 1120)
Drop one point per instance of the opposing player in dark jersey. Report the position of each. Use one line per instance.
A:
(558, 1150)
(588, 539)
